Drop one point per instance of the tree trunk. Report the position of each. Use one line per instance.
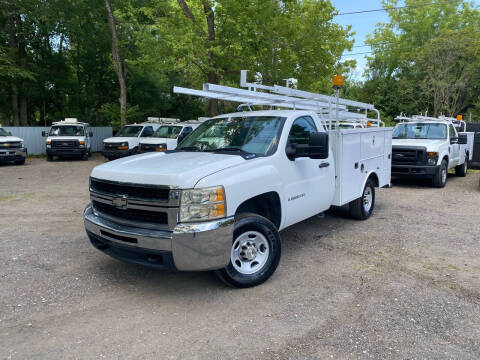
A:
(14, 47)
(22, 62)
(212, 73)
(117, 62)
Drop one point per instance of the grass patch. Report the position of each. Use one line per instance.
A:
(7, 197)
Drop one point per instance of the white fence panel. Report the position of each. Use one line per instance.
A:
(35, 143)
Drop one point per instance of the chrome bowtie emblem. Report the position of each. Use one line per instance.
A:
(120, 202)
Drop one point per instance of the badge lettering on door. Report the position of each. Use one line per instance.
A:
(296, 197)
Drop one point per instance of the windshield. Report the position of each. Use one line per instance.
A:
(252, 134)
(3, 132)
(170, 132)
(420, 131)
(129, 131)
(67, 130)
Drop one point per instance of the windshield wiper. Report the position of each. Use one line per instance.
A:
(231, 149)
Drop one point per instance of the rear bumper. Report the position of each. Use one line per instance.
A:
(67, 152)
(13, 155)
(189, 247)
(415, 170)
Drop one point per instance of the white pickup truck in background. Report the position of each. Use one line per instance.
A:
(12, 148)
(219, 200)
(168, 136)
(427, 147)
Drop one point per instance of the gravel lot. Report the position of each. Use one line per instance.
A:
(403, 285)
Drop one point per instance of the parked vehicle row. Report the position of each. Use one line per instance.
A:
(219, 200)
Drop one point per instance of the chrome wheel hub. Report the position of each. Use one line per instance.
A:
(249, 252)
(367, 199)
(444, 175)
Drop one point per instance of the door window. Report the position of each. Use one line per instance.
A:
(452, 132)
(147, 131)
(301, 130)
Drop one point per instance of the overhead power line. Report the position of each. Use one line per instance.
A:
(391, 8)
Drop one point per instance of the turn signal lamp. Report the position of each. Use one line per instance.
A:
(459, 117)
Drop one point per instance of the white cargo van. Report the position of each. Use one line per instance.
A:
(219, 201)
(68, 138)
(126, 140)
(168, 136)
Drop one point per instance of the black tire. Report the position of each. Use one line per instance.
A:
(89, 153)
(461, 170)
(248, 223)
(358, 208)
(49, 157)
(85, 156)
(440, 179)
(20, 162)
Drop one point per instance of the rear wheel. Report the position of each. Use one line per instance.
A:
(461, 170)
(440, 179)
(49, 157)
(362, 208)
(255, 252)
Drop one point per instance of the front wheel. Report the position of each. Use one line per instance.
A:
(362, 208)
(20, 162)
(255, 252)
(440, 179)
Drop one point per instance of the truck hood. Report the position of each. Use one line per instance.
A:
(118, 139)
(180, 170)
(4, 139)
(429, 144)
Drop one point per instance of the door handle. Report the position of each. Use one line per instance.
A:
(324, 165)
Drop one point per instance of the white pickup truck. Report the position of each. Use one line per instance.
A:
(12, 148)
(167, 136)
(426, 147)
(219, 200)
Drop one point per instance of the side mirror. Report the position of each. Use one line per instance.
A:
(90, 134)
(462, 139)
(44, 133)
(9, 133)
(454, 140)
(317, 148)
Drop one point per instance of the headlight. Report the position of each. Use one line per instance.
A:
(22, 144)
(161, 147)
(202, 204)
(48, 142)
(432, 158)
(123, 146)
(82, 143)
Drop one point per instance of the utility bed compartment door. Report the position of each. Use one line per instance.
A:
(358, 153)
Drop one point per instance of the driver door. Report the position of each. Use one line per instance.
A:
(454, 148)
(309, 183)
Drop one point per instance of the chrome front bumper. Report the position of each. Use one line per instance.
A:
(193, 246)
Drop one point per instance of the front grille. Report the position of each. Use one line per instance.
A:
(155, 217)
(111, 146)
(132, 191)
(65, 144)
(10, 145)
(403, 155)
(149, 147)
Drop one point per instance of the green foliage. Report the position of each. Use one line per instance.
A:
(426, 58)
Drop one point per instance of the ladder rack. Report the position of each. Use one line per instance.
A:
(421, 118)
(329, 108)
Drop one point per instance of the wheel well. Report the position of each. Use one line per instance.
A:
(445, 158)
(374, 178)
(267, 205)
